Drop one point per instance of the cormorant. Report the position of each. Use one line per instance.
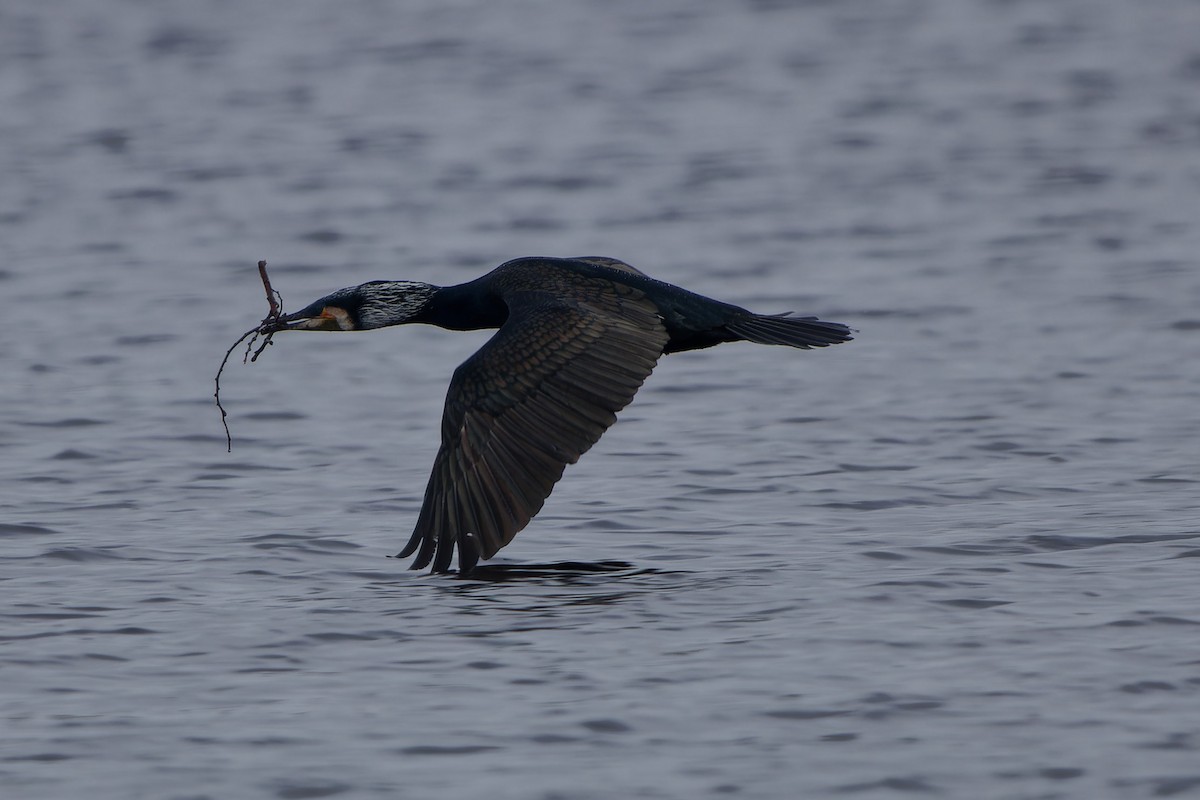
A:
(577, 337)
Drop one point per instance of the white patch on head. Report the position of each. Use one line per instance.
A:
(391, 302)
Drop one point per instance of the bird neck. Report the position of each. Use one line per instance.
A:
(465, 307)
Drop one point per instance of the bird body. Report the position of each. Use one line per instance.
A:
(576, 339)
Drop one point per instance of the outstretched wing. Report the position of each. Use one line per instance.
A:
(529, 402)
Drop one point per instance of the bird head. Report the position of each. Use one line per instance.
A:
(360, 308)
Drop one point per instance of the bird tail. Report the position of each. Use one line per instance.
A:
(802, 332)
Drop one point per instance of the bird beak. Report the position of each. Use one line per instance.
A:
(313, 318)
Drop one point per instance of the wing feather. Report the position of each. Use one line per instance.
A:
(533, 399)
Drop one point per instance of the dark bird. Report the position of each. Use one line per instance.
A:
(577, 337)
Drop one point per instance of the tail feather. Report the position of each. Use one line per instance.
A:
(802, 332)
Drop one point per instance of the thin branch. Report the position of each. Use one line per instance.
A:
(217, 393)
(274, 298)
(272, 320)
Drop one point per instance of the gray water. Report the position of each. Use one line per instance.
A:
(954, 558)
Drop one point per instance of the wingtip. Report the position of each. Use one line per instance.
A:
(468, 553)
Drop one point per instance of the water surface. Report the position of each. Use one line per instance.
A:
(954, 558)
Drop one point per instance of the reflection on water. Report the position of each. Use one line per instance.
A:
(564, 572)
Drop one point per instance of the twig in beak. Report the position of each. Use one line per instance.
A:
(274, 314)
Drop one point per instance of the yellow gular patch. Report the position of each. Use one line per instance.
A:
(339, 315)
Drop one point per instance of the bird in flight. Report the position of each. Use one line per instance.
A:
(576, 339)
